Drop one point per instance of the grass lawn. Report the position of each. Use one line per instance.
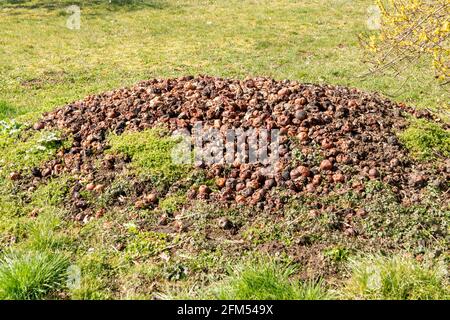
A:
(44, 64)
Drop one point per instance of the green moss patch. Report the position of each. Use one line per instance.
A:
(151, 155)
(23, 150)
(426, 140)
(172, 203)
(53, 193)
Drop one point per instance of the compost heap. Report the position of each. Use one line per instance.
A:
(332, 139)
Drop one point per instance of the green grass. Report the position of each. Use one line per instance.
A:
(268, 280)
(426, 139)
(22, 150)
(396, 278)
(144, 244)
(31, 275)
(311, 41)
(337, 254)
(6, 110)
(46, 231)
(172, 203)
(151, 155)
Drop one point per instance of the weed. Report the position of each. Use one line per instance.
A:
(121, 186)
(146, 244)
(151, 155)
(10, 127)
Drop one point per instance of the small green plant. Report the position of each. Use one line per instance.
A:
(52, 193)
(145, 244)
(337, 254)
(31, 275)
(396, 278)
(49, 140)
(7, 110)
(172, 203)
(373, 186)
(121, 186)
(268, 280)
(426, 140)
(10, 127)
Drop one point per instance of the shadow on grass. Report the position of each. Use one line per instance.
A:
(61, 4)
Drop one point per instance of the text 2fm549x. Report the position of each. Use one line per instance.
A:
(234, 309)
(226, 309)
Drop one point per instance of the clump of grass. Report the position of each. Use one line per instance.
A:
(31, 275)
(268, 280)
(120, 186)
(395, 278)
(426, 140)
(151, 154)
(7, 110)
